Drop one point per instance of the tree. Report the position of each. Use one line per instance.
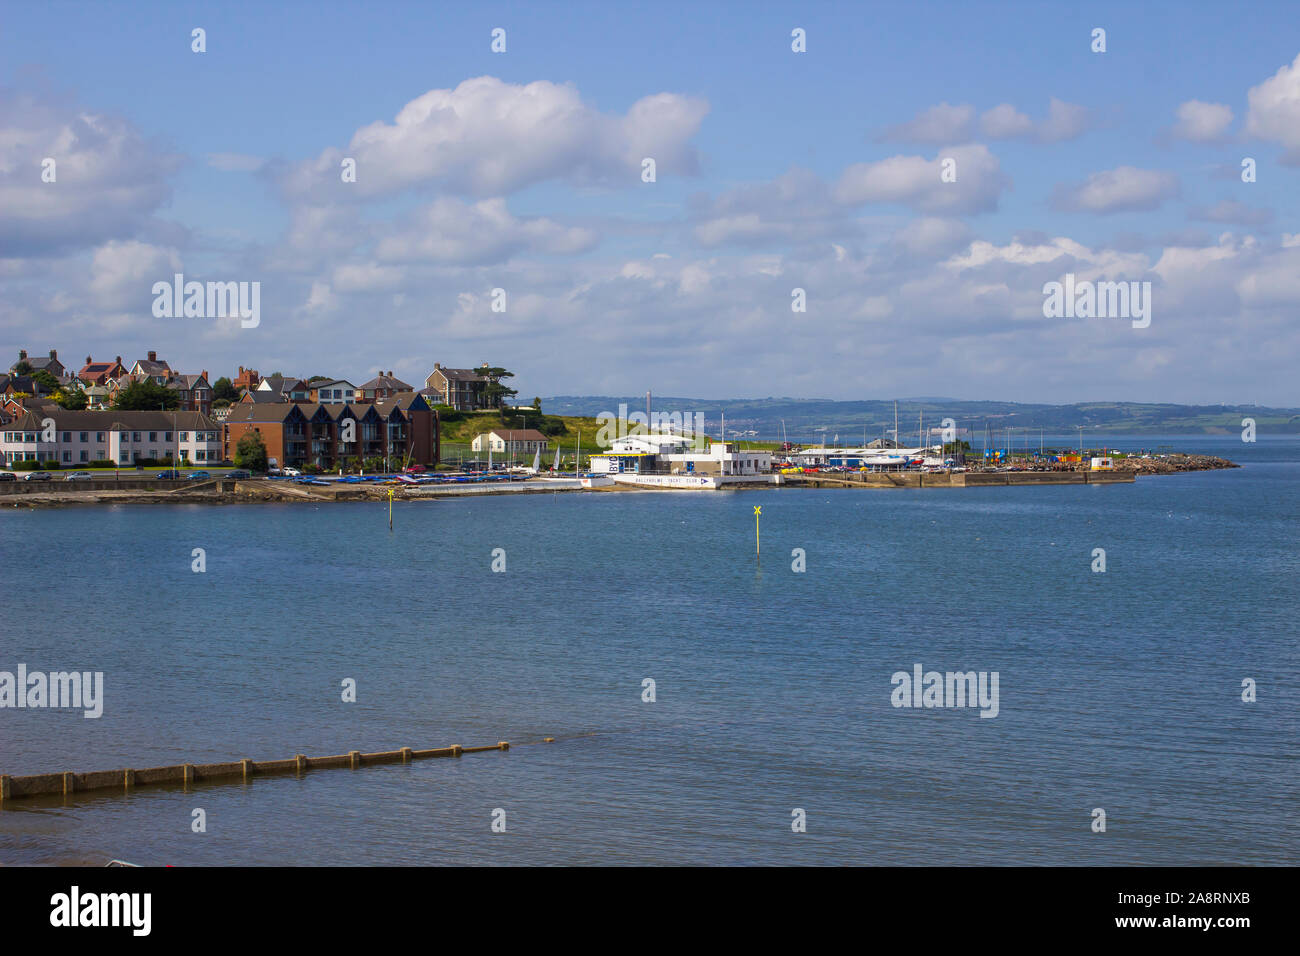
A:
(71, 399)
(250, 452)
(494, 393)
(537, 404)
(45, 380)
(223, 388)
(22, 367)
(146, 397)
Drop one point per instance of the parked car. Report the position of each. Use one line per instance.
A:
(226, 463)
(239, 473)
(273, 472)
(168, 475)
(414, 469)
(196, 475)
(37, 476)
(8, 476)
(77, 476)
(292, 472)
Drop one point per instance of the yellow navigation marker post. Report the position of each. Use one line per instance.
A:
(390, 509)
(758, 510)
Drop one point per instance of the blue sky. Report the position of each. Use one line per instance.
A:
(776, 170)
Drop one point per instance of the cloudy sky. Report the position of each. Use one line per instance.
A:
(774, 170)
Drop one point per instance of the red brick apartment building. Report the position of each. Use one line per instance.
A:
(404, 429)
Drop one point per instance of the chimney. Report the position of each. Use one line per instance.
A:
(204, 373)
(54, 353)
(118, 360)
(87, 359)
(22, 355)
(153, 356)
(437, 365)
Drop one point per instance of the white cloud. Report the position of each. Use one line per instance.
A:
(916, 182)
(1232, 212)
(1123, 189)
(451, 231)
(1005, 122)
(1200, 122)
(109, 180)
(122, 272)
(1064, 121)
(1274, 111)
(488, 137)
(936, 126)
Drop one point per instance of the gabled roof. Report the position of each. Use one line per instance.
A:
(460, 375)
(387, 382)
(187, 382)
(118, 420)
(330, 384)
(519, 434)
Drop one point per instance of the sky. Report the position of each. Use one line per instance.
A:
(921, 171)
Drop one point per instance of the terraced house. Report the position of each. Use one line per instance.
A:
(402, 430)
(122, 437)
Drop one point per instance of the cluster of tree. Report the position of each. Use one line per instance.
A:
(250, 452)
(496, 394)
(146, 396)
(224, 393)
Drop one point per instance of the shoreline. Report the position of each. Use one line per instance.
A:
(223, 491)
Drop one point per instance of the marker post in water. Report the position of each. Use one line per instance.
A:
(390, 509)
(758, 510)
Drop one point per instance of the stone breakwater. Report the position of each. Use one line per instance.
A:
(1172, 464)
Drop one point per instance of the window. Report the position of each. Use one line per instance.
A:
(167, 437)
(135, 436)
(67, 456)
(185, 436)
(125, 456)
(153, 452)
(83, 437)
(67, 436)
(84, 456)
(153, 436)
(99, 436)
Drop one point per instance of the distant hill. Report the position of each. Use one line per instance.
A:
(817, 419)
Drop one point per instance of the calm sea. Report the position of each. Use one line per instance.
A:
(1118, 690)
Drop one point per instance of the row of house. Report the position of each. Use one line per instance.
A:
(102, 381)
(76, 438)
(323, 422)
(402, 429)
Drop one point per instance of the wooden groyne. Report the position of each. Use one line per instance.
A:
(126, 779)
